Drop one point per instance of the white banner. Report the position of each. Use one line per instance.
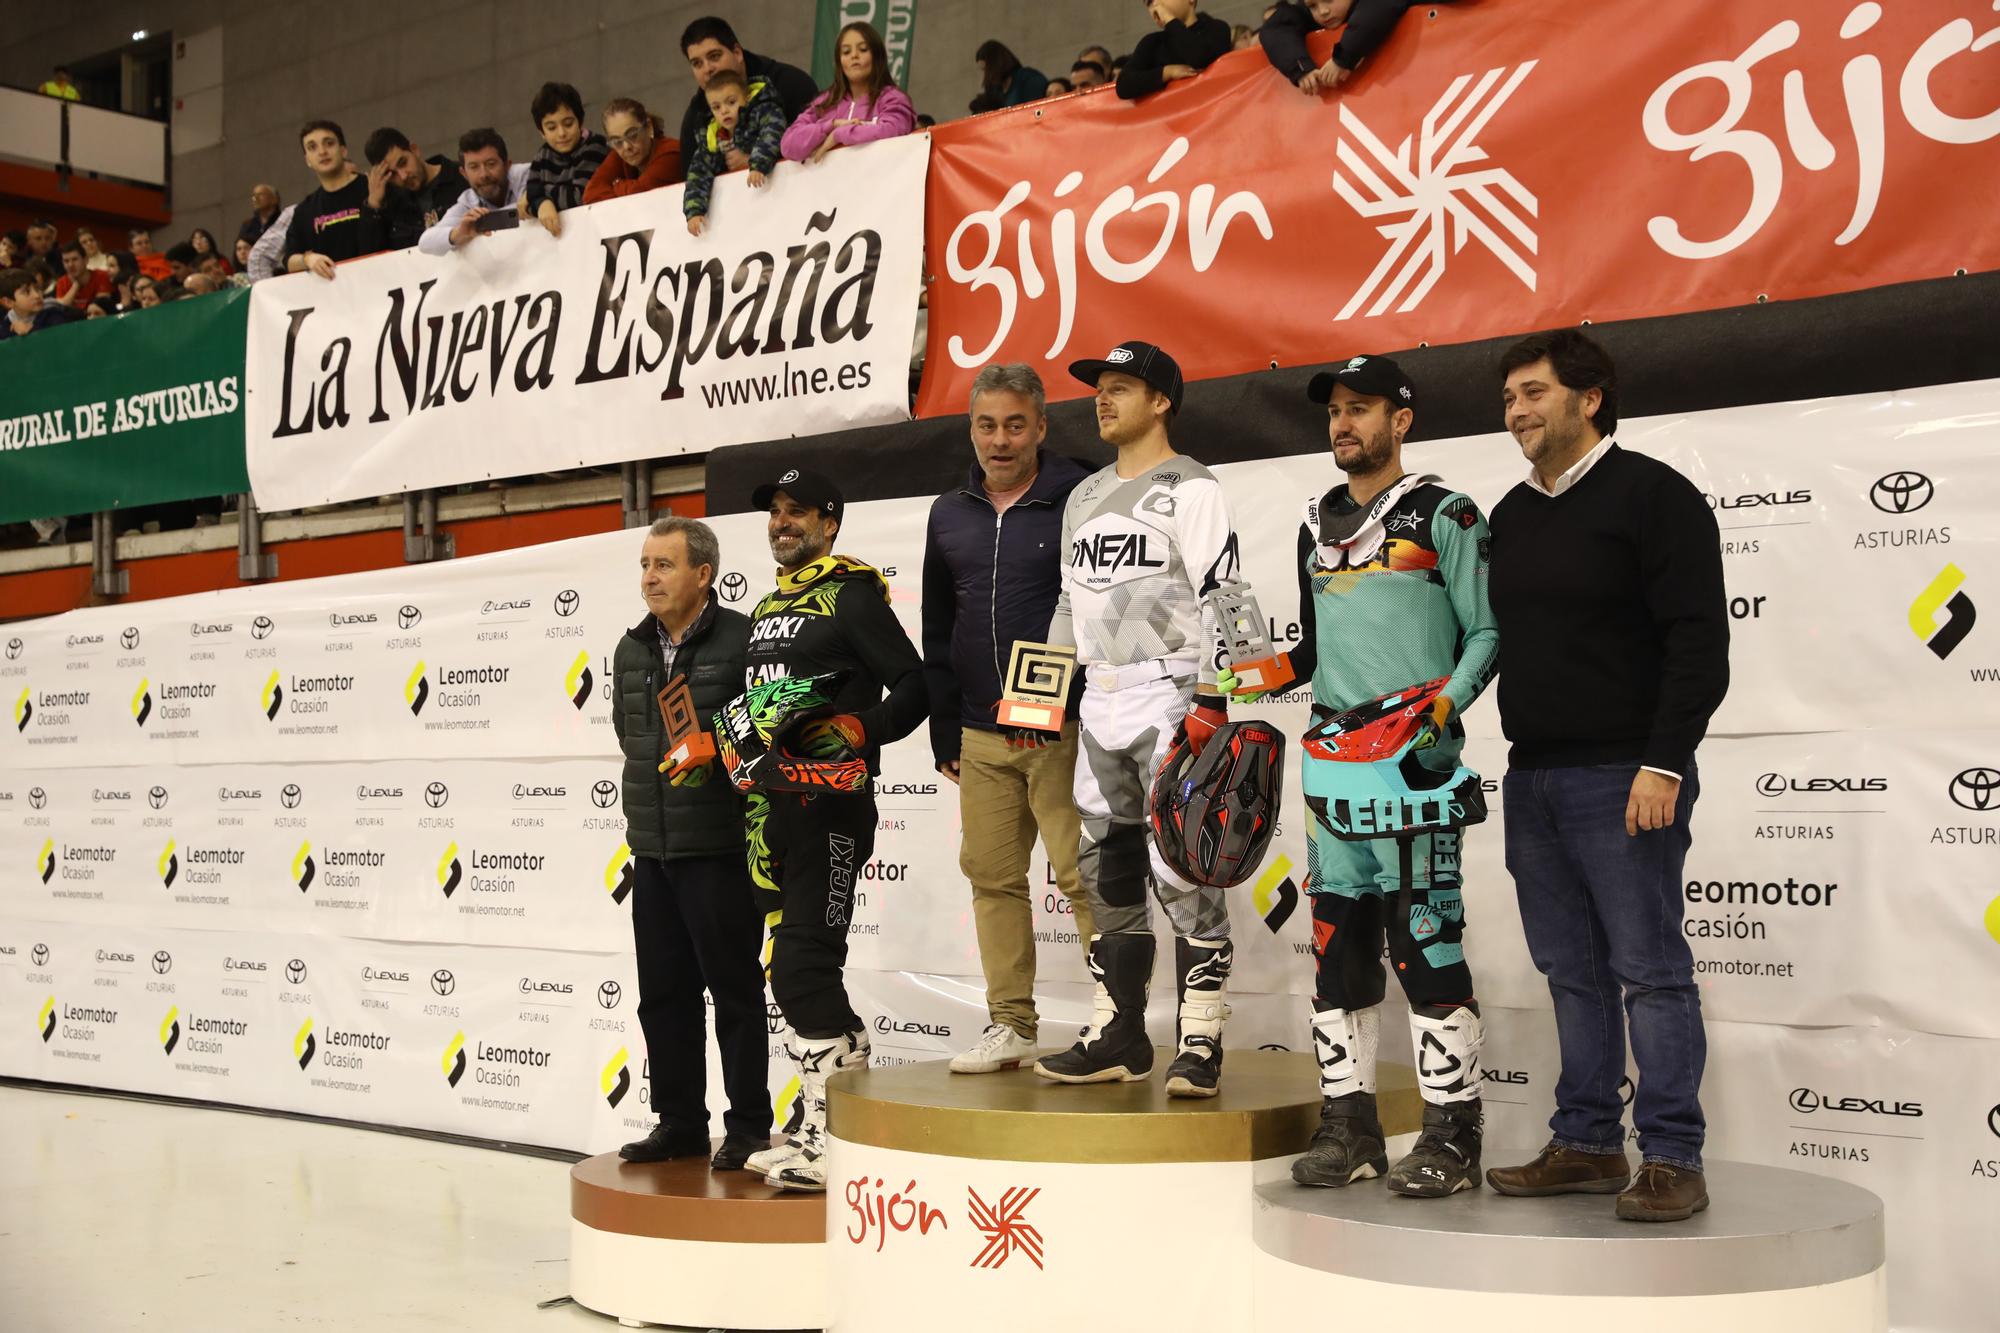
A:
(623, 338)
(388, 775)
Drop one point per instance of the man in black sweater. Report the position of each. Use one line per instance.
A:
(696, 922)
(829, 613)
(1614, 652)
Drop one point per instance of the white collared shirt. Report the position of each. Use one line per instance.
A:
(1573, 475)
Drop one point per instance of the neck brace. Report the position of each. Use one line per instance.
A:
(1347, 540)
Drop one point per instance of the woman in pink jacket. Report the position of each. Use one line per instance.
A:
(864, 103)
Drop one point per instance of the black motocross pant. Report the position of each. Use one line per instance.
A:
(819, 845)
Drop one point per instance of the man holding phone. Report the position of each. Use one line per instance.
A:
(494, 187)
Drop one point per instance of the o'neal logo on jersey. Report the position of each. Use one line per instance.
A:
(1109, 551)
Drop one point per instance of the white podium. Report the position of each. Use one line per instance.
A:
(1776, 1250)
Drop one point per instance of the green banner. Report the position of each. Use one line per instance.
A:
(896, 20)
(138, 409)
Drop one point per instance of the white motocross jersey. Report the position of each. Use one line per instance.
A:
(1139, 556)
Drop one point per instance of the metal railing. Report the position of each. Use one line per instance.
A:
(70, 137)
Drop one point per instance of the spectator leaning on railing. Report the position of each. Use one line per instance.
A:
(711, 47)
(1087, 74)
(327, 226)
(749, 119)
(1186, 44)
(570, 155)
(407, 192)
(495, 184)
(1004, 80)
(267, 256)
(862, 105)
(642, 156)
(1368, 25)
(60, 85)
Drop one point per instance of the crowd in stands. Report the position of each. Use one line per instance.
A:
(748, 113)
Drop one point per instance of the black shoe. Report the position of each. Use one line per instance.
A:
(1347, 1146)
(664, 1144)
(1446, 1158)
(1197, 1070)
(734, 1154)
(1117, 1050)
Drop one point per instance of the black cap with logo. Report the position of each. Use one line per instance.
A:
(808, 488)
(1143, 360)
(1370, 376)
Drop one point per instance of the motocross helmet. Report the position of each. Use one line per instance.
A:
(757, 736)
(1370, 771)
(1213, 814)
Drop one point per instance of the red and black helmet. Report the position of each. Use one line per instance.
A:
(1213, 814)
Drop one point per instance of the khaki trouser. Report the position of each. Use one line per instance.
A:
(1005, 794)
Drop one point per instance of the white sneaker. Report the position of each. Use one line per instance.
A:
(999, 1048)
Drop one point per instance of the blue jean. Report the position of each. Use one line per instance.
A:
(1602, 913)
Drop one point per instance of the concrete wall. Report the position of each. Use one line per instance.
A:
(434, 69)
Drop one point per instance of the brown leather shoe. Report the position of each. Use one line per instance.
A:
(1662, 1192)
(1563, 1171)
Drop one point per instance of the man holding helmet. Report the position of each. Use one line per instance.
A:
(1392, 594)
(829, 628)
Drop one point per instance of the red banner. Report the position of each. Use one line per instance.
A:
(1495, 168)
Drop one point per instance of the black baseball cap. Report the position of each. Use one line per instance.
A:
(1372, 376)
(809, 488)
(1144, 360)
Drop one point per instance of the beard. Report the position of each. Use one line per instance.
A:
(1373, 457)
(810, 548)
(1561, 431)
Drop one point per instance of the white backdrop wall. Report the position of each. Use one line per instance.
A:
(309, 846)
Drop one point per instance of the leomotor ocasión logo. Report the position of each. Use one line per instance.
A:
(46, 1021)
(1439, 191)
(1276, 895)
(449, 872)
(618, 874)
(453, 1063)
(1943, 593)
(303, 868)
(578, 680)
(24, 709)
(45, 860)
(416, 690)
(273, 697)
(616, 1079)
(170, 1030)
(303, 1045)
(170, 865)
(142, 702)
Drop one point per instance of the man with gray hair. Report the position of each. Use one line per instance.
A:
(992, 569)
(696, 924)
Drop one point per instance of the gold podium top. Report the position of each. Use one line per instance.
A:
(1268, 1107)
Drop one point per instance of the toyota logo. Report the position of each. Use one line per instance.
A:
(604, 794)
(774, 1019)
(1973, 789)
(37, 798)
(443, 982)
(1901, 492)
(408, 617)
(261, 627)
(295, 971)
(14, 648)
(436, 795)
(1993, 1121)
(566, 602)
(291, 796)
(128, 638)
(734, 585)
(1771, 784)
(40, 953)
(1626, 1090)
(157, 797)
(1804, 1100)
(609, 994)
(163, 962)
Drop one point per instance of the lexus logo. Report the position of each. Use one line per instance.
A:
(14, 648)
(1804, 1100)
(443, 982)
(40, 953)
(1771, 784)
(734, 585)
(408, 617)
(163, 962)
(37, 798)
(291, 796)
(1901, 492)
(295, 971)
(567, 602)
(1975, 789)
(157, 797)
(128, 638)
(609, 994)
(604, 794)
(436, 795)
(261, 627)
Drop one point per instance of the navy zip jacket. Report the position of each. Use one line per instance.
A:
(989, 579)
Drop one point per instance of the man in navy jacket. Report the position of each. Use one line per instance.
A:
(992, 569)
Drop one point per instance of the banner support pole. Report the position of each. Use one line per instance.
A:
(253, 563)
(635, 480)
(106, 579)
(422, 542)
